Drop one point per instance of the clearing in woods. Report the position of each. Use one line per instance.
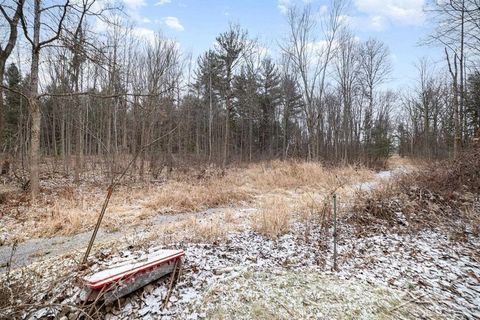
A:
(195, 199)
(259, 235)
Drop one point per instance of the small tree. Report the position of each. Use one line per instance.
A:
(14, 104)
(230, 46)
(11, 20)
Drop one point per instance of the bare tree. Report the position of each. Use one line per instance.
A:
(375, 68)
(457, 31)
(426, 125)
(310, 58)
(347, 71)
(230, 47)
(11, 15)
(41, 28)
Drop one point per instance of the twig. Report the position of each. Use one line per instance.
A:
(407, 302)
(288, 310)
(170, 287)
(10, 259)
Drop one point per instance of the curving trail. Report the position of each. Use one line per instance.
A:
(45, 248)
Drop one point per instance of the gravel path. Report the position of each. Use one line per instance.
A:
(44, 248)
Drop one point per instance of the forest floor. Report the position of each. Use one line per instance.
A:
(265, 255)
(64, 217)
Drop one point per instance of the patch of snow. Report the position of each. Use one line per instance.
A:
(440, 274)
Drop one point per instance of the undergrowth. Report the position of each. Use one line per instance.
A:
(66, 208)
(443, 194)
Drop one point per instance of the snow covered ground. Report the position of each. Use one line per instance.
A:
(386, 274)
(382, 276)
(381, 177)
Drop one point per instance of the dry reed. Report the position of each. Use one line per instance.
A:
(273, 218)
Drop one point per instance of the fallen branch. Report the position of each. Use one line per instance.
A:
(407, 302)
(170, 286)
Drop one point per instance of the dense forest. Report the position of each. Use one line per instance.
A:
(109, 96)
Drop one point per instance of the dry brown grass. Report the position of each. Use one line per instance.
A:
(228, 217)
(192, 229)
(209, 231)
(63, 217)
(444, 194)
(288, 175)
(380, 203)
(183, 196)
(273, 218)
(316, 208)
(67, 209)
(396, 161)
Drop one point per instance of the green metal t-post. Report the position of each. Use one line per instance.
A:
(335, 232)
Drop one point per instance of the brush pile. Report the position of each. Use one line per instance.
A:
(442, 194)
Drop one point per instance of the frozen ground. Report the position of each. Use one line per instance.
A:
(384, 276)
(381, 276)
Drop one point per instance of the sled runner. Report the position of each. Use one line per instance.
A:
(127, 276)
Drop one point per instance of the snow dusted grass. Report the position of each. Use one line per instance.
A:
(303, 294)
(247, 275)
(250, 276)
(433, 268)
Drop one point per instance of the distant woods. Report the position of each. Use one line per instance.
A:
(96, 92)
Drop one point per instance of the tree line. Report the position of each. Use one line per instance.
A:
(100, 98)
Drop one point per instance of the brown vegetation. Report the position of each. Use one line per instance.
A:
(66, 208)
(443, 193)
(185, 196)
(273, 218)
(290, 175)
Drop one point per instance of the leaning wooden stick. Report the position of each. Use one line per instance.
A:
(172, 280)
(111, 187)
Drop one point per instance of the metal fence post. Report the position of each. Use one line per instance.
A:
(335, 232)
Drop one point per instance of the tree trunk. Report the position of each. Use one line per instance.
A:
(62, 139)
(461, 66)
(210, 118)
(227, 132)
(2, 73)
(34, 106)
(453, 69)
(78, 143)
(54, 135)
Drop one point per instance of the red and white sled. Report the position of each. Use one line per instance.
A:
(130, 275)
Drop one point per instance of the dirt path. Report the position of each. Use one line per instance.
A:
(45, 248)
